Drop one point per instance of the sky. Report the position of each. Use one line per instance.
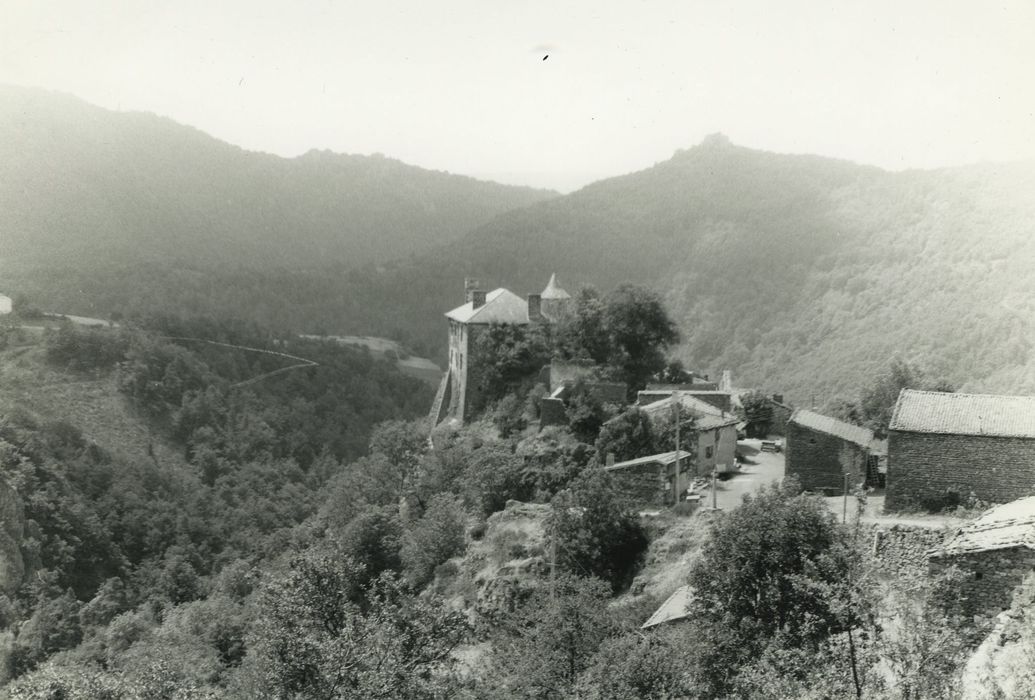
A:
(551, 94)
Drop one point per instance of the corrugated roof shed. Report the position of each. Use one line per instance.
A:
(832, 426)
(675, 608)
(964, 414)
(665, 458)
(501, 306)
(1003, 527)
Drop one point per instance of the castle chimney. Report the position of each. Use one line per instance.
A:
(477, 298)
(535, 307)
(471, 285)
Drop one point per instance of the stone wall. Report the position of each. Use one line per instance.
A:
(820, 460)
(902, 549)
(643, 485)
(986, 581)
(933, 471)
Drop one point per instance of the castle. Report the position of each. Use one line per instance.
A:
(457, 394)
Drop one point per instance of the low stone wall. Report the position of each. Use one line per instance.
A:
(902, 549)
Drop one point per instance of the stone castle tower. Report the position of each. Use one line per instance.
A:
(457, 395)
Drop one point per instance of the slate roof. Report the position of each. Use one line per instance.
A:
(710, 422)
(665, 458)
(695, 406)
(553, 290)
(501, 306)
(964, 414)
(1003, 527)
(672, 609)
(832, 426)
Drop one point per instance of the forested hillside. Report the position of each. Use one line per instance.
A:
(80, 184)
(801, 274)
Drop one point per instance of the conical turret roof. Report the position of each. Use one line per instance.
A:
(553, 290)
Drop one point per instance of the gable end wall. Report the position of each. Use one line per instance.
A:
(820, 460)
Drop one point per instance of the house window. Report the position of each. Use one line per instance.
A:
(708, 452)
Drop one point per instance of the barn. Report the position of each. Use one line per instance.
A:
(944, 448)
(821, 450)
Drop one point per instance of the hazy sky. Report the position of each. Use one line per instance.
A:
(463, 85)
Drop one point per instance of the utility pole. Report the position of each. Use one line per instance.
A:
(715, 497)
(675, 485)
(844, 513)
(553, 569)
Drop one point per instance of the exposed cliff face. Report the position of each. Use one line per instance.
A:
(12, 531)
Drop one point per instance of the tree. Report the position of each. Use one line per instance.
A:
(628, 435)
(434, 538)
(639, 331)
(593, 533)
(543, 647)
(319, 636)
(635, 666)
(756, 582)
(373, 539)
(509, 355)
(586, 413)
(758, 412)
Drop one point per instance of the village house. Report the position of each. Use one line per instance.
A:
(995, 555)
(713, 430)
(458, 392)
(945, 447)
(821, 451)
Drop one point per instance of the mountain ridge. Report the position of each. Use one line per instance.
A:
(803, 274)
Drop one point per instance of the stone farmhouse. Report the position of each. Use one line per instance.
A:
(821, 451)
(995, 553)
(943, 447)
(458, 392)
(715, 430)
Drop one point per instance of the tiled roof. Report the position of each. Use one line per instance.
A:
(693, 405)
(675, 608)
(710, 422)
(1009, 525)
(501, 306)
(964, 414)
(832, 426)
(665, 458)
(553, 290)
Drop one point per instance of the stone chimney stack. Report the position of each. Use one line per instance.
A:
(471, 285)
(726, 383)
(535, 307)
(477, 298)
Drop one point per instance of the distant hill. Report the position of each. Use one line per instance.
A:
(801, 274)
(83, 184)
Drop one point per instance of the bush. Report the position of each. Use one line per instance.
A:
(433, 538)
